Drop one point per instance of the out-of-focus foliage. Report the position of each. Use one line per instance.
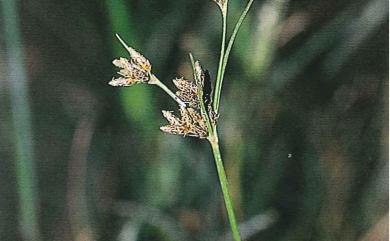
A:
(304, 122)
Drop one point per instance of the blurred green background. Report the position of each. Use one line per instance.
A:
(304, 122)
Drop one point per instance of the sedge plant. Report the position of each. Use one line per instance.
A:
(198, 103)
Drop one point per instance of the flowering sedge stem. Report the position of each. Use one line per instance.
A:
(155, 81)
(213, 139)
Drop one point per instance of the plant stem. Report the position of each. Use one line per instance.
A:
(155, 81)
(221, 69)
(26, 178)
(213, 139)
(234, 35)
(218, 82)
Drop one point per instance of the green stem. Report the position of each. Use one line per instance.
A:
(155, 81)
(234, 35)
(224, 185)
(26, 178)
(213, 139)
(218, 85)
(218, 82)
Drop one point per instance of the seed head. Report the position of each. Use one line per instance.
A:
(190, 123)
(136, 70)
(187, 92)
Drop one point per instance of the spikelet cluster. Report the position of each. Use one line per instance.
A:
(191, 121)
(192, 93)
(135, 70)
(187, 92)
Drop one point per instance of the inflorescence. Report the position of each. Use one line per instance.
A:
(193, 96)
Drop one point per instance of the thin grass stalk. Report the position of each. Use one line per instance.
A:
(213, 139)
(154, 80)
(24, 161)
(219, 81)
(214, 135)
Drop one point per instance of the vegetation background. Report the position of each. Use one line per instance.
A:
(304, 122)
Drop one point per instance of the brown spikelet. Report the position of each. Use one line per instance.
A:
(133, 71)
(187, 92)
(190, 123)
